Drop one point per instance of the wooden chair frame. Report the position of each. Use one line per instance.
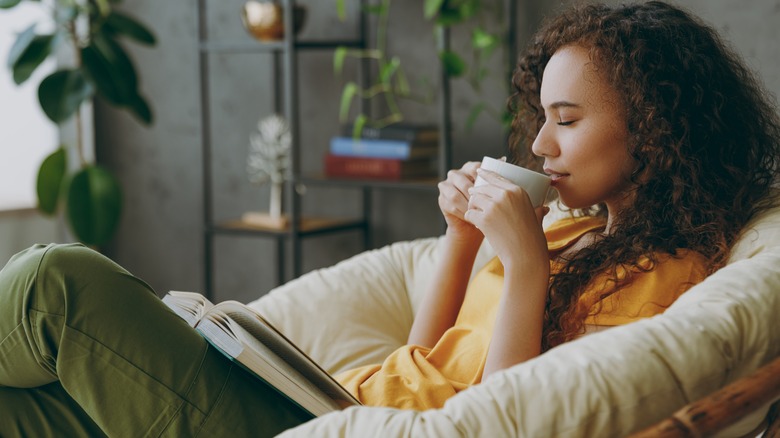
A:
(726, 406)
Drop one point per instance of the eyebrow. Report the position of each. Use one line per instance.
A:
(564, 104)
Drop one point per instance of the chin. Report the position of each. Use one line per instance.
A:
(573, 204)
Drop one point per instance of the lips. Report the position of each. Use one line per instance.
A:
(554, 175)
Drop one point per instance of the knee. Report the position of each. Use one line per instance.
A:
(68, 258)
(21, 271)
(70, 271)
(45, 269)
(30, 259)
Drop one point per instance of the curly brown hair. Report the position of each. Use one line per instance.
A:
(704, 133)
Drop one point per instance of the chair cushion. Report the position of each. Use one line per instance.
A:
(356, 312)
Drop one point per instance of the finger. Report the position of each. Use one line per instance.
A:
(473, 217)
(541, 212)
(471, 167)
(451, 199)
(455, 187)
(460, 179)
(480, 202)
(495, 179)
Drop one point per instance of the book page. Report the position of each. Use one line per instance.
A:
(190, 306)
(261, 329)
(225, 334)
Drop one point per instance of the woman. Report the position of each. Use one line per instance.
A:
(639, 109)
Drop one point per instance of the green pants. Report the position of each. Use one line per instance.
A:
(86, 349)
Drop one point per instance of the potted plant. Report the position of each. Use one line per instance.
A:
(391, 83)
(87, 194)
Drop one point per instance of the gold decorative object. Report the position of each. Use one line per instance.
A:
(265, 19)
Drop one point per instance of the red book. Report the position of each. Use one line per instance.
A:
(339, 166)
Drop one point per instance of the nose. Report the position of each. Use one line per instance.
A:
(544, 144)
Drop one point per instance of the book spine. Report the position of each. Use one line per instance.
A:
(363, 167)
(374, 148)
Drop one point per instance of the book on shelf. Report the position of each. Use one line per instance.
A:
(339, 166)
(245, 337)
(382, 148)
(411, 132)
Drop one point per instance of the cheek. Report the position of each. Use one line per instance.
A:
(613, 151)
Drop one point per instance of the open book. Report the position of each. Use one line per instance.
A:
(244, 336)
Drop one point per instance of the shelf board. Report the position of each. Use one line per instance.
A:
(256, 46)
(309, 226)
(421, 184)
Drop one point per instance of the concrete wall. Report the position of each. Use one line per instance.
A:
(160, 166)
(22, 228)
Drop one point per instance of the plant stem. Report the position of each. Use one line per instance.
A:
(77, 116)
(381, 33)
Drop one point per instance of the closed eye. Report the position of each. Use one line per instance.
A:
(565, 123)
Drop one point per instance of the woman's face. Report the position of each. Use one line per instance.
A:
(584, 139)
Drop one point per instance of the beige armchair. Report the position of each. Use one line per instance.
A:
(610, 383)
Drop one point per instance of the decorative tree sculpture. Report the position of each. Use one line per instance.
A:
(269, 159)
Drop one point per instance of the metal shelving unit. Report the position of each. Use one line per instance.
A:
(285, 65)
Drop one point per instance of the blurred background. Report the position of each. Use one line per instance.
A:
(160, 166)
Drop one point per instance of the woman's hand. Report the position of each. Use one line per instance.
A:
(503, 212)
(454, 201)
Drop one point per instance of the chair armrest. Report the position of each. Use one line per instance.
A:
(722, 408)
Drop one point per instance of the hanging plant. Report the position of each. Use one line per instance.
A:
(90, 197)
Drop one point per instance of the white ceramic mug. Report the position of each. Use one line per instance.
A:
(534, 183)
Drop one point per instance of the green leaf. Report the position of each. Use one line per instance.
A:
(62, 92)
(103, 7)
(483, 40)
(448, 18)
(94, 205)
(140, 107)
(341, 10)
(357, 128)
(454, 66)
(455, 12)
(431, 8)
(402, 83)
(22, 42)
(350, 90)
(469, 9)
(388, 69)
(129, 27)
(473, 115)
(48, 186)
(112, 71)
(8, 4)
(338, 59)
(32, 56)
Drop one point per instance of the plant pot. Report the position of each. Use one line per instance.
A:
(265, 20)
